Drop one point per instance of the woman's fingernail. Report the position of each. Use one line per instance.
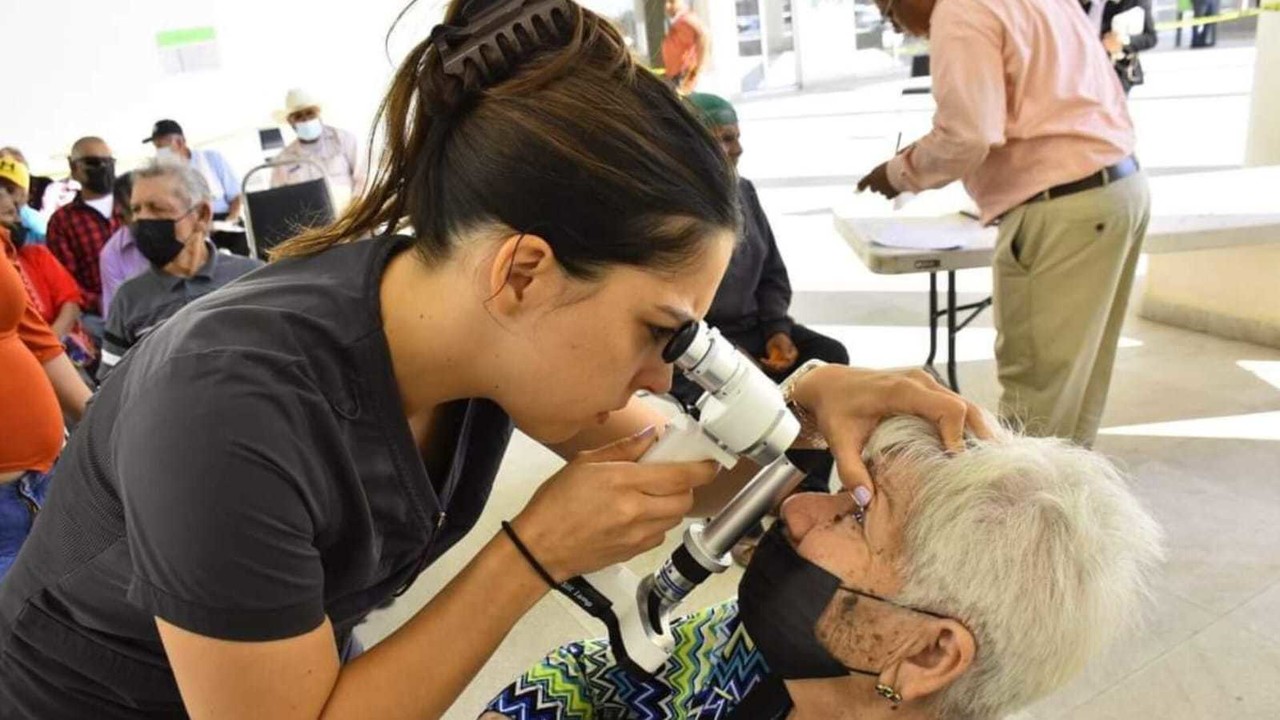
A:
(862, 495)
(646, 432)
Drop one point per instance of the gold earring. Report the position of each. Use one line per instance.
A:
(888, 693)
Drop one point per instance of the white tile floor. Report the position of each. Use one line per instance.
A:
(1195, 419)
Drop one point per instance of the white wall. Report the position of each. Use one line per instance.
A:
(99, 72)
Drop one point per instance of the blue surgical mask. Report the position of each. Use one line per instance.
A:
(309, 131)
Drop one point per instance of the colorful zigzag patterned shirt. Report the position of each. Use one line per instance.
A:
(714, 666)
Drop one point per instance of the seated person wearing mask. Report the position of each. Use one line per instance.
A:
(335, 151)
(224, 185)
(972, 585)
(172, 212)
(78, 230)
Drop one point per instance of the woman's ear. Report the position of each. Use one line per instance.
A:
(523, 275)
(945, 652)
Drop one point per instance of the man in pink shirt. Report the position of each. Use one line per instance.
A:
(1033, 119)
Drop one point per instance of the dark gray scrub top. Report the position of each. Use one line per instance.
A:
(246, 471)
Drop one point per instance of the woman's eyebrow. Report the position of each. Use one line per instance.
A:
(676, 313)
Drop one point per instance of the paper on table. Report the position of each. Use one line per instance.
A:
(917, 237)
(929, 233)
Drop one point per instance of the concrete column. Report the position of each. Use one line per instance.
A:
(654, 17)
(1263, 144)
(773, 28)
(1232, 293)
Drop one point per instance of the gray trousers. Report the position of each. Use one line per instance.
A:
(1063, 272)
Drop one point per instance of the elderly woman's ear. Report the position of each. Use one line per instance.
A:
(941, 652)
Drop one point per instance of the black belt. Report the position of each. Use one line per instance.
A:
(1105, 176)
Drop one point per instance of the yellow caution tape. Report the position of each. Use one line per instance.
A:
(1216, 19)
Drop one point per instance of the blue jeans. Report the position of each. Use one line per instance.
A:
(20, 500)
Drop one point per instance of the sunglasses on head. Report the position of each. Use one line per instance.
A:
(95, 161)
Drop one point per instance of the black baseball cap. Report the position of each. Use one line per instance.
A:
(162, 128)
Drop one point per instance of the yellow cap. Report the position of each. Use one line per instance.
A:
(15, 171)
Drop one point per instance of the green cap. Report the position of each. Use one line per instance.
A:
(715, 110)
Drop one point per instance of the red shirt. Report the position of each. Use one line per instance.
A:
(76, 235)
(50, 285)
(31, 424)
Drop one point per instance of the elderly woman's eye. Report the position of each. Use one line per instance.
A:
(858, 513)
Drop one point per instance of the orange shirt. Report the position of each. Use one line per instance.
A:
(682, 47)
(1027, 99)
(30, 419)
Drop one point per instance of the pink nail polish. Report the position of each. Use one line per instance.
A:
(862, 495)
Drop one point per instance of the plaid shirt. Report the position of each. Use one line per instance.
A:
(76, 235)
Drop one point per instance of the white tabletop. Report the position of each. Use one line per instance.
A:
(1192, 211)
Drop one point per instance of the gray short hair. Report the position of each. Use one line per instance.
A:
(1037, 545)
(188, 184)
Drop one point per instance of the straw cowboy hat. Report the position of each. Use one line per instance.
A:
(294, 100)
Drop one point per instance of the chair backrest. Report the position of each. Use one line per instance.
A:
(275, 215)
(233, 242)
(270, 139)
(920, 66)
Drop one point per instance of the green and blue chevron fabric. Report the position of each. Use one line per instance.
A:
(713, 668)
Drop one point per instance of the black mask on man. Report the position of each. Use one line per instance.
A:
(99, 174)
(17, 234)
(157, 240)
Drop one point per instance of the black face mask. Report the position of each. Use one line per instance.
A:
(99, 175)
(157, 240)
(17, 234)
(780, 600)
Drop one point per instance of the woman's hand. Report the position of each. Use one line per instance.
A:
(1113, 43)
(848, 403)
(603, 508)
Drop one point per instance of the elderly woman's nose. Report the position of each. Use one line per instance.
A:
(803, 512)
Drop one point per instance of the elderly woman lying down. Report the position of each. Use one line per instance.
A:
(972, 585)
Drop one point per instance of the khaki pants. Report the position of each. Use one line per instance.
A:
(1063, 272)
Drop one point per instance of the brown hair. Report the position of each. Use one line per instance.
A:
(568, 139)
